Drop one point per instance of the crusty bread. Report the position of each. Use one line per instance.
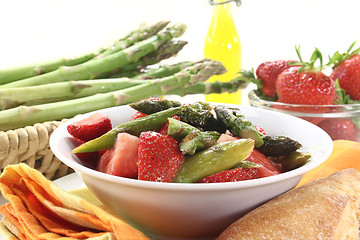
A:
(323, 209)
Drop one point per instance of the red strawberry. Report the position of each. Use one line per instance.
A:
(347, 71)
(268, 73)
(340, 128)
(225, 137)
(89, 159)
(306, 84)
(306, 87)
(122, 159)
(267, 169)
(138, 115)
(91, 127)
(159, 157)
(232, 175)
(163, 130)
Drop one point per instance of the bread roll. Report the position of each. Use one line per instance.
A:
(322, 209)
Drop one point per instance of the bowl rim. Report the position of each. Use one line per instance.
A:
(80, 169)
(252, 96)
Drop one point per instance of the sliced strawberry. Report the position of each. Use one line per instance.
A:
(163, 130)
(91, 127)
(226, 138)
(104, 161)
(232, 175)
(122, 159)
(159, 157)
(268, 168)
(89, 159)
(138, 115)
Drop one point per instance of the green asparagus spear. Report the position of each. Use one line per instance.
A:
(191, 139)
(215, 159)
(149, 106)
(292, 160)
(165, 51)
(198, 140)
(90, 69)
(235, 122)
(277, 146)
(200, 115)
(17, 73)
(55, 92)
(135, 127)
(163, 70)
(247, 164)
(24, 116)
(137, 35)
(179, 129)
(212, 87)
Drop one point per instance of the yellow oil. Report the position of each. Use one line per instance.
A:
(222, 43)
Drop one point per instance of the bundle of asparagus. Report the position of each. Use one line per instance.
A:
(117, 75)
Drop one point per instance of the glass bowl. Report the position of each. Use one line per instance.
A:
(341, 122)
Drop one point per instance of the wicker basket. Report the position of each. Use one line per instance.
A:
(30, 145)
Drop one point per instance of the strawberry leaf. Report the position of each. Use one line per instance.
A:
(338, 58)
(342, 96)
(309, 66)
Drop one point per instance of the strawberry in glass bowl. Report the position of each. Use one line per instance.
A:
(332, 102)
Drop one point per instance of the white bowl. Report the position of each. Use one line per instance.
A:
(194, 211)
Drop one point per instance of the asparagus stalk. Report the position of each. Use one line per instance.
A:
(164, 70)
(151, 73)
(22, 72)
(135, 36)
(150, 106)
(90, 69)
(215, 159)
(165, 51)
(236, 123)
(179, 129)
(198, 140)
(24, 116)
(61, 91)
(277, 146)
(191, 138)
(233, 85)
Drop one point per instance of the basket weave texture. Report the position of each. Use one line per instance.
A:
(30, 145)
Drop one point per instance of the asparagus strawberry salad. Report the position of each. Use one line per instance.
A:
(167, 141)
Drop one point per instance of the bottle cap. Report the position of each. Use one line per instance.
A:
(214, 2)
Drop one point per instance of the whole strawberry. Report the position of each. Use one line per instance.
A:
(340, 128)
(306, 84)
(347, 70)
(159, 157)
(268, 73)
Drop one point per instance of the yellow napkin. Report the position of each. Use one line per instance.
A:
(346, 154)
(38, 209)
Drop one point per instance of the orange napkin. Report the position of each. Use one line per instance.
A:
(38, 209)
(346, 154)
